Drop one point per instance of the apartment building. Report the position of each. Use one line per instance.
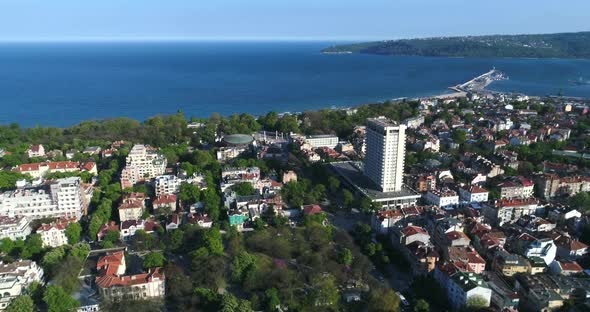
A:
(142, 163)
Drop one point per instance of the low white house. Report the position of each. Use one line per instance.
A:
(463, 286)
(442, 198)
(473, 194)
(54, 233)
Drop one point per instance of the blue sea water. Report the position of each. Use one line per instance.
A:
(61, 84)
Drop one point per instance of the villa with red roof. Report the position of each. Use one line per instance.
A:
(410, 234)
(113, 284)
(132, 207)
(310, 210)
(165, 200)
(54, 233)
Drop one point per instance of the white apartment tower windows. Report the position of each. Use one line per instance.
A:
(385, 152)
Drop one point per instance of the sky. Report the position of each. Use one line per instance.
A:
(32, 20)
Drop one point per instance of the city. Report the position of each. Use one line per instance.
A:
(481, 199)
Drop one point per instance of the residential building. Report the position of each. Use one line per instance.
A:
(15, 279)
(442, 198)
(17, 227)
(409, 234)
(200, 219)
(39, 170)
(323, 140)
(543, 248)
(384, 220)
(132, 207)
(473, 194)
(509, 211)
(570, 249)
(166, 184)
(143, 162)
(54, 233)
(165, 200)
(509, 264)
(566, 268)
(552, 185)
(233, 176)
(55, 199)
(36, 150)
(425, 183)
(113, 284)
(516, 187)
(385, 152)
(463, 286)
(466, 257)
(543, 292)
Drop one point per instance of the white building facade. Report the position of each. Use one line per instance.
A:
(385, 152)
(62, 198)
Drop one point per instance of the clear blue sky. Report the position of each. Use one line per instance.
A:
(294, 19)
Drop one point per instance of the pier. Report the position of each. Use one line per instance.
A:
(480, 82)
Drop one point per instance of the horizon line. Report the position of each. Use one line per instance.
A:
(184, 39)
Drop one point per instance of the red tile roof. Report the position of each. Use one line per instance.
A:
(312, 209)
(413, 230)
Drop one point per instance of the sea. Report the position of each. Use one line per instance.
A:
(63, 83)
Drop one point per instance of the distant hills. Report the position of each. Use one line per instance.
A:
(560, 45)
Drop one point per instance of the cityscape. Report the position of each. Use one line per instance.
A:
(294, 157)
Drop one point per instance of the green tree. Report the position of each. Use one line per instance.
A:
(189, 193)
(477, 302)
(244, 189)
(272, 299)
(581, 201)
(33, 246)
(73, 232)
(212, 240)
(22, 303)
(347, 198)
(421, 306)
(324, 291)
(7, 245)
(383, 300)
(346, 257)
(241, 264)
(58, 300)
(459, 136)
(333, 184)
(153, 260)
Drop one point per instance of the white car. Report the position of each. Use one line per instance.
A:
(403, 299)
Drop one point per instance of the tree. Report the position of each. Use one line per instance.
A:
(33, 246)
(229, 303)
(189, 193)
(242, 263)
(459, 136)
(212, 240)
(347, 198)
(58, 300)
(324, 291)
(73, 232)
(22, 303)
(153, 260)
(581, 201)
(383, 300)
(174, 240)
(421, 306)
(346, 257)
(244, 189)
(272, 299)
(7, 245)
(333, 184)
(477, 302)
